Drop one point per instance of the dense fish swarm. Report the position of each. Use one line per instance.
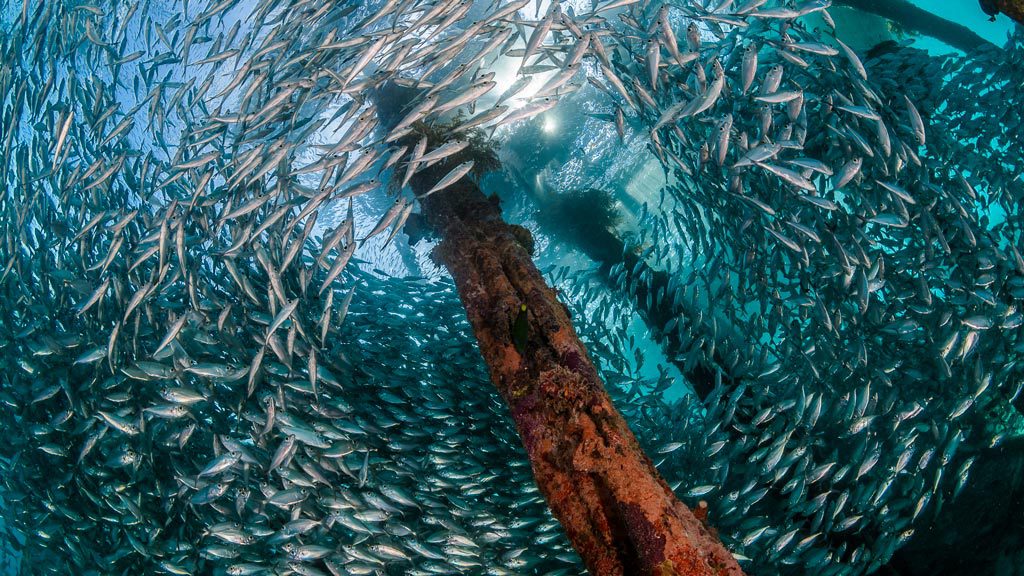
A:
(847, 263)
(200, 377)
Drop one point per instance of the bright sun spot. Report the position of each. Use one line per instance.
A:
(549, 124)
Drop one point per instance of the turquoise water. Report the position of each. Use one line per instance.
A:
(803, 295)
(967, 14)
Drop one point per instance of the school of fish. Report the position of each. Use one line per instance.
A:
(876, 256)
(203, 377)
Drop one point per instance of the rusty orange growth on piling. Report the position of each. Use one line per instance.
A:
(1012, 8)
(617, 511)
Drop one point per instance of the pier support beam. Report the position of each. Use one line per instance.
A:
(617, 511)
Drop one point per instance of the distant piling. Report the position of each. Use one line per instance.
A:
(924, 22)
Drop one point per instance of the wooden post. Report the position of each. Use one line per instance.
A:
(616, 509)
(620, 515)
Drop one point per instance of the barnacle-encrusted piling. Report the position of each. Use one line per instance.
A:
(617, 511)
(1012, 8)
(619, 514)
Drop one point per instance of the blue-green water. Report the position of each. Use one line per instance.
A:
(802, 288)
